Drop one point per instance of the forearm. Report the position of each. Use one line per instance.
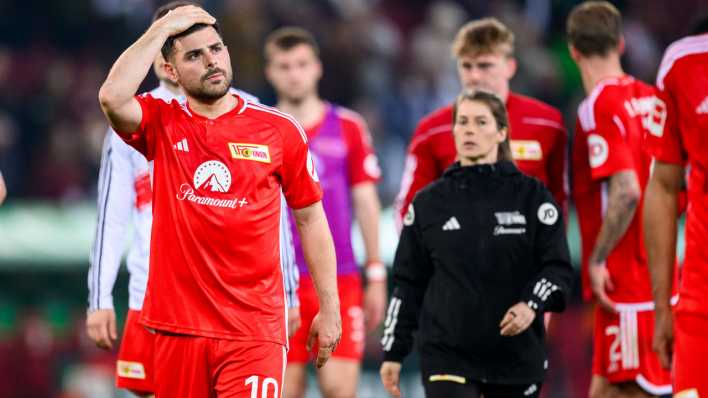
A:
(660, 209)
(621, 206)
(367, 210)
(318, 249)
(129, 71)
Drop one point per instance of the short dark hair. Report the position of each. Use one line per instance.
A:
(498, 109)
(170, 42)
(594, 28)
(288, 37)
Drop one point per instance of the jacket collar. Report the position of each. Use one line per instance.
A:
(501, 168)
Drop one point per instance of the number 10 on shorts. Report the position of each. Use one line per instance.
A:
(265, 387)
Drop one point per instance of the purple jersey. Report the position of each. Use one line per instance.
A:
(341, 148)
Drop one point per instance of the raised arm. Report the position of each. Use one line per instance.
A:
(660, 213)
(117, 93)
(318, 248)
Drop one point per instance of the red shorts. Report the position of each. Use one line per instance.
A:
(203, 367)
(623, 350)
(351, 345)
(134, 368)
(690, 353)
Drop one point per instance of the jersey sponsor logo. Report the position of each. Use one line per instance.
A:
(181, 145)
(547, 213)
(502, 230)
(510, 217)
(410, 216)
(130, 370)
(526, 150)
(702, 108)
(451, 225)
(311, 169)
(213, 176)
(187, 193)
(371, 166)
(599, 150)
(255, 152)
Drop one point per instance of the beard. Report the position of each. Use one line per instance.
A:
(206, 91)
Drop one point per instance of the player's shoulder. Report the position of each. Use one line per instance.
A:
(282, 121)
(349, 117)
(535, 108)
(437, 122)
(679, 50)
(603, 97)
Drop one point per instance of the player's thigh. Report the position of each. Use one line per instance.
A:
(134, 367)
(339, 378)
(449, 387)
(182, 367)
(600, 387)
(525, 390)
(631, 390)
(690, 353)
(295, 381)
(248, 369)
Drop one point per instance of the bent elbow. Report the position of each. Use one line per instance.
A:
(107, 98)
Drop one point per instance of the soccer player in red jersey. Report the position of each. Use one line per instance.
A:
(215, 294)
(611, 170)
(484, 53)
(348, 169)
(680, 142)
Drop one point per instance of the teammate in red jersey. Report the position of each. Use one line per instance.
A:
(348, 171)
(680, 142)
(484, 53)
(215, 292)
(611, 169)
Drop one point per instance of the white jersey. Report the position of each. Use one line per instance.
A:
(125, 200)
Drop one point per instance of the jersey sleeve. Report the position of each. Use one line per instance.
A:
(608, 152)
(291, 275)
(664, 138)
(557, 169)
(299, 179)
(550, 288)
(143, 139)
(412, 270)
(420, 170)
(116, 198)
(363, 164)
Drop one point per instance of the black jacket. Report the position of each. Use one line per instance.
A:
(475, 242)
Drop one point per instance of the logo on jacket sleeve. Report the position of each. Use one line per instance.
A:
(255, 152)
(547, 213)
(212, 176)
(410, 216)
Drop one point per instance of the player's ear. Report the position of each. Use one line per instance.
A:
(574, 53)
(502, 134)
(170, 71)
(511, 65)
(620, 45)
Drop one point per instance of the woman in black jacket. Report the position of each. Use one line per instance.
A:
(482, 256)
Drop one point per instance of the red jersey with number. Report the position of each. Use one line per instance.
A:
(682, 139)
(214, 254)
(610, 137)
(538, 144)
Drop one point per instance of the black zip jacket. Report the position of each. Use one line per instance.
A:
(475, 242)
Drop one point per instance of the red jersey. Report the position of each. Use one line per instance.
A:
(610, 137)
(214, 253)
(681, 138)
(538, 144)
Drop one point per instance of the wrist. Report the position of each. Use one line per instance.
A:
(375, 271)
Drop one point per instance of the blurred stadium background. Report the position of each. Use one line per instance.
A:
(388, 59)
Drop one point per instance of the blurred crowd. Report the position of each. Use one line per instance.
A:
(387, 59)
